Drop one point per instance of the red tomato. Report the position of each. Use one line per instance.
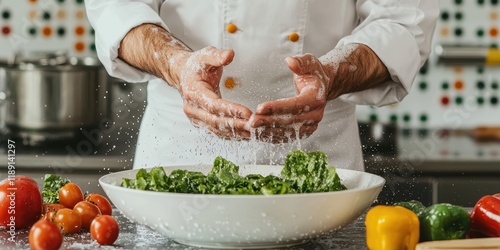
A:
(104, 229)
(70, 194)
(101, 202)
(47, 207)
(45, 235)
(26, 178)
(20, 202)
(68, 220)
(87, 212)
(49, 210)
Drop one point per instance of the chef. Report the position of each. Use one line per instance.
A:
(253, 80)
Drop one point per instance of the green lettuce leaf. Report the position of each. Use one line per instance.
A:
(302, 173)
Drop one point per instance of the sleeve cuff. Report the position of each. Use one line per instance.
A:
(111, 31)
(391, 43)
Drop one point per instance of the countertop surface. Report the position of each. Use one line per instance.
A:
(111, 149)
(432, 151)
(135, 236)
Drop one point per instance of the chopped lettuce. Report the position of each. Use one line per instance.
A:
(51, 185)
(309, 172)
(302, 173)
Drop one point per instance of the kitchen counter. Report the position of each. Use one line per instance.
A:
(83, 161)
(134, 236)
(436, 152)
(428, 165)
(435, 166)
(113, 150)
(419, 151)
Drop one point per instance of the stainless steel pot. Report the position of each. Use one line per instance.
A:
(54, 94)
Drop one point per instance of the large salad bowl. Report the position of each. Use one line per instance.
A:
(244, 221)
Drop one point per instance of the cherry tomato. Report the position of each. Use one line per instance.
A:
(47, 207)
(45, 235)
(101, 202)
(20, 202)
(49, 210)
(87, 212)
(70, 194)
(68, 220)
(104, 229)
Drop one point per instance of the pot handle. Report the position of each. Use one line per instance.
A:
(54, 59)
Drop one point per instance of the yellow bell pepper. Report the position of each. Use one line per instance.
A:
(391, 228)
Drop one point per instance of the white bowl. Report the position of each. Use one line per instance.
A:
(244, 221)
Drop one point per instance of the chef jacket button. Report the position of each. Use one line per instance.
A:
(231, 28)
(229, 83)
(293, 37)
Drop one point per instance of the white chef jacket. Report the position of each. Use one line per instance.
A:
(398, 31)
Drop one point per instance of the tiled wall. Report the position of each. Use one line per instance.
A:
(448, 96)
(45, 25)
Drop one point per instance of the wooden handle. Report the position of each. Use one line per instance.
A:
(486, 133)
(483, 243)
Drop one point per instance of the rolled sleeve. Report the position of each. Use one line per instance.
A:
(112, 20)
(400, 33)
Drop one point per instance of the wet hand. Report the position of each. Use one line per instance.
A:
(296, 117)
(198, 83)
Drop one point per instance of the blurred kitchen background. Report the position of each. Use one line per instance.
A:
(66, 116)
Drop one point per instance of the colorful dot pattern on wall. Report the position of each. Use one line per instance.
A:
(447, 96)
(31, 26)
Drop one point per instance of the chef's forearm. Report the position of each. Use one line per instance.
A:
(353, 68)
(152, 49)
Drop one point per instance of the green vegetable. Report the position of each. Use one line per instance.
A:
(302, 173)
(443, 222)
(309, 172)
(415, 206)
(51, 185)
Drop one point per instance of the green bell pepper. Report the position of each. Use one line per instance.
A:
(415, 206)
(443, 222)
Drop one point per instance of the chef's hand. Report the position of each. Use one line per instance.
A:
(195, 74)
(295, 117)
(198, 78)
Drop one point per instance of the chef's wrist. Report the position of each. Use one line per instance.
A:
(332, 62)
(352, 68)
(331, 75)
(174, 62)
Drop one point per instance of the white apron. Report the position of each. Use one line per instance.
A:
(261, 43)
